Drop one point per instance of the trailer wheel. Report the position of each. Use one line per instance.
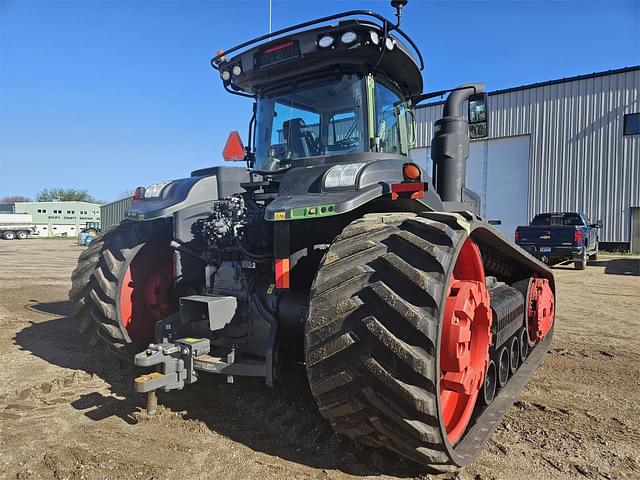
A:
(22, 235)
(398, 334)
(9, 235)
(123, 285)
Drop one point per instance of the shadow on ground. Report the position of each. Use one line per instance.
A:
(282, 421)
(613, 266)
(619, 266)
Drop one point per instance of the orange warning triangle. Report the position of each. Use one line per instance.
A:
(233, 150)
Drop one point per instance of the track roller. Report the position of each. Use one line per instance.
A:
(489, 385)
(514, 355)
(503, 366)
(524, 345)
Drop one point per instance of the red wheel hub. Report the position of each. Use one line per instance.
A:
(146, 292)
(541, 309)
(465, 340)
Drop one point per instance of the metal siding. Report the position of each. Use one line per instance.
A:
(113, 213)
(580, 160)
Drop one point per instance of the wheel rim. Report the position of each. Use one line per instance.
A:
(146, 292)
(464, 343)
(514, 355)
(503, 367)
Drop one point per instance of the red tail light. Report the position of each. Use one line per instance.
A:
(577, 236)
(516, 235)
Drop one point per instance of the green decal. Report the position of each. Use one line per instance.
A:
(313, 212)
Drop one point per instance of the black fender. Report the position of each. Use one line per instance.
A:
(303, 193)
(187, 199)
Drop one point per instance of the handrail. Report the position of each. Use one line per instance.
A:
(387, 25)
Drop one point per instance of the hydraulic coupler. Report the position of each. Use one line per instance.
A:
(174, 367)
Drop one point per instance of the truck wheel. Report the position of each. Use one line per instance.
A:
(22, 235)
(123, 285)
(385, 318)
(581, 263)
(9, 235)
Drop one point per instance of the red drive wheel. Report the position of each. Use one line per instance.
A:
(465, 340)
(146, 292)
(541, 309)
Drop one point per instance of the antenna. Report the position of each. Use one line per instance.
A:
(398, 5)
(270, 20)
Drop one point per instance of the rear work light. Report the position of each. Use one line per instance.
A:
(577, 237)
(138, 194)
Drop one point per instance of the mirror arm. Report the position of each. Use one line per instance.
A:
(416, 99)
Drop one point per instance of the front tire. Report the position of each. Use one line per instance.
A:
(122, 285)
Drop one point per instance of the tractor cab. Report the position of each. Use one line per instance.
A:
(324, 94)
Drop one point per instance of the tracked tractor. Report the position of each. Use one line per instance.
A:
(417, 322)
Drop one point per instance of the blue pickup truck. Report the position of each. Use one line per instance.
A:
(560, 237)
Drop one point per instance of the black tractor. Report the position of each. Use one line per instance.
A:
(417, 322)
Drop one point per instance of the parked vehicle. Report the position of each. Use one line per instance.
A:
(559, 237)
(88, 233)
(16, 226)
(418, 323)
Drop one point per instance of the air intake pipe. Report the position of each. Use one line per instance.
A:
(450, 145)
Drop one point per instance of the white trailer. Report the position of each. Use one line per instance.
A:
(16, 225)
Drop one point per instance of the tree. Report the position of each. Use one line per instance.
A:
(64, 195)
(14, 199)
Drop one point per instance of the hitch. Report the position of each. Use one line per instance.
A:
(174, 367)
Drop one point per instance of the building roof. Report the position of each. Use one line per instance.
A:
(575, 78)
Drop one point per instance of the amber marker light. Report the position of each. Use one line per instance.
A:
(411, 172)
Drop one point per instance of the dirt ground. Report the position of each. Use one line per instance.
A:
(69, 411)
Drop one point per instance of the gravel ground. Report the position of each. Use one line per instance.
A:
(68, 411)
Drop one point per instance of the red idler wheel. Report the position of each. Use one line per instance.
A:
(465, 340)
(146, 292)
(541, 309)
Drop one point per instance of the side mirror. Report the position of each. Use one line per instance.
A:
(478, 116)
(233, 150)
(598, 224)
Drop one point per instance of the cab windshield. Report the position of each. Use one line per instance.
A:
(326, 118)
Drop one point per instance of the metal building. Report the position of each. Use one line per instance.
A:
(113, 213)
(565, 145)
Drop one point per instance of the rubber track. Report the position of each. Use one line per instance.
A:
(94, 282)
(372, 328)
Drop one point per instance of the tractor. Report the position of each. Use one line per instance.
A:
(418, 323)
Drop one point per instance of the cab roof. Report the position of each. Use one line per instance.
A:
(353, 45)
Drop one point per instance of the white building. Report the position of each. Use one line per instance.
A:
(57, 219)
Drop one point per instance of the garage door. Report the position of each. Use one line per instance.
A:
(498, 170)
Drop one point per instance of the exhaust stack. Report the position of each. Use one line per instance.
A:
(450, 144)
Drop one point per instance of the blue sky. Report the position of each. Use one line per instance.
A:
(109, 95)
